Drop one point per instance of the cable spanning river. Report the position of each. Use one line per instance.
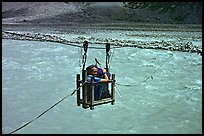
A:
(35, 75)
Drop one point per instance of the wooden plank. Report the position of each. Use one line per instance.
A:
(98, 102)
(92, 94)
(102, 101)
(84, 88)
(113, 89)
(78, 89)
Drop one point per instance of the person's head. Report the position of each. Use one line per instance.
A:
(92, 70)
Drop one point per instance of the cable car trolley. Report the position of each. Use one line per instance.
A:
(91, 88)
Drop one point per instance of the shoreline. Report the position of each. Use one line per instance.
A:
(163, 45)
(104, 26)
(141, 35)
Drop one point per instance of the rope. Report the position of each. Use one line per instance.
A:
(46, 110)
(78, 88)
(117, 90)
(148, 76)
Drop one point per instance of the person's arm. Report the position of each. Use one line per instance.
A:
(105, 79)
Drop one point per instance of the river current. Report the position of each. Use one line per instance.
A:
(35, 75)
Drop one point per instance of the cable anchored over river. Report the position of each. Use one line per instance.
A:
(63, 41)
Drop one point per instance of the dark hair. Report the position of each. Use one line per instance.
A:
(89, 68)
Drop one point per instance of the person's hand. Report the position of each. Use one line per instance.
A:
(104, 70)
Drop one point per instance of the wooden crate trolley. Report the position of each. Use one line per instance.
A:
(82, 94)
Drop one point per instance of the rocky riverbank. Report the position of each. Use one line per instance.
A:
(164, 45)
